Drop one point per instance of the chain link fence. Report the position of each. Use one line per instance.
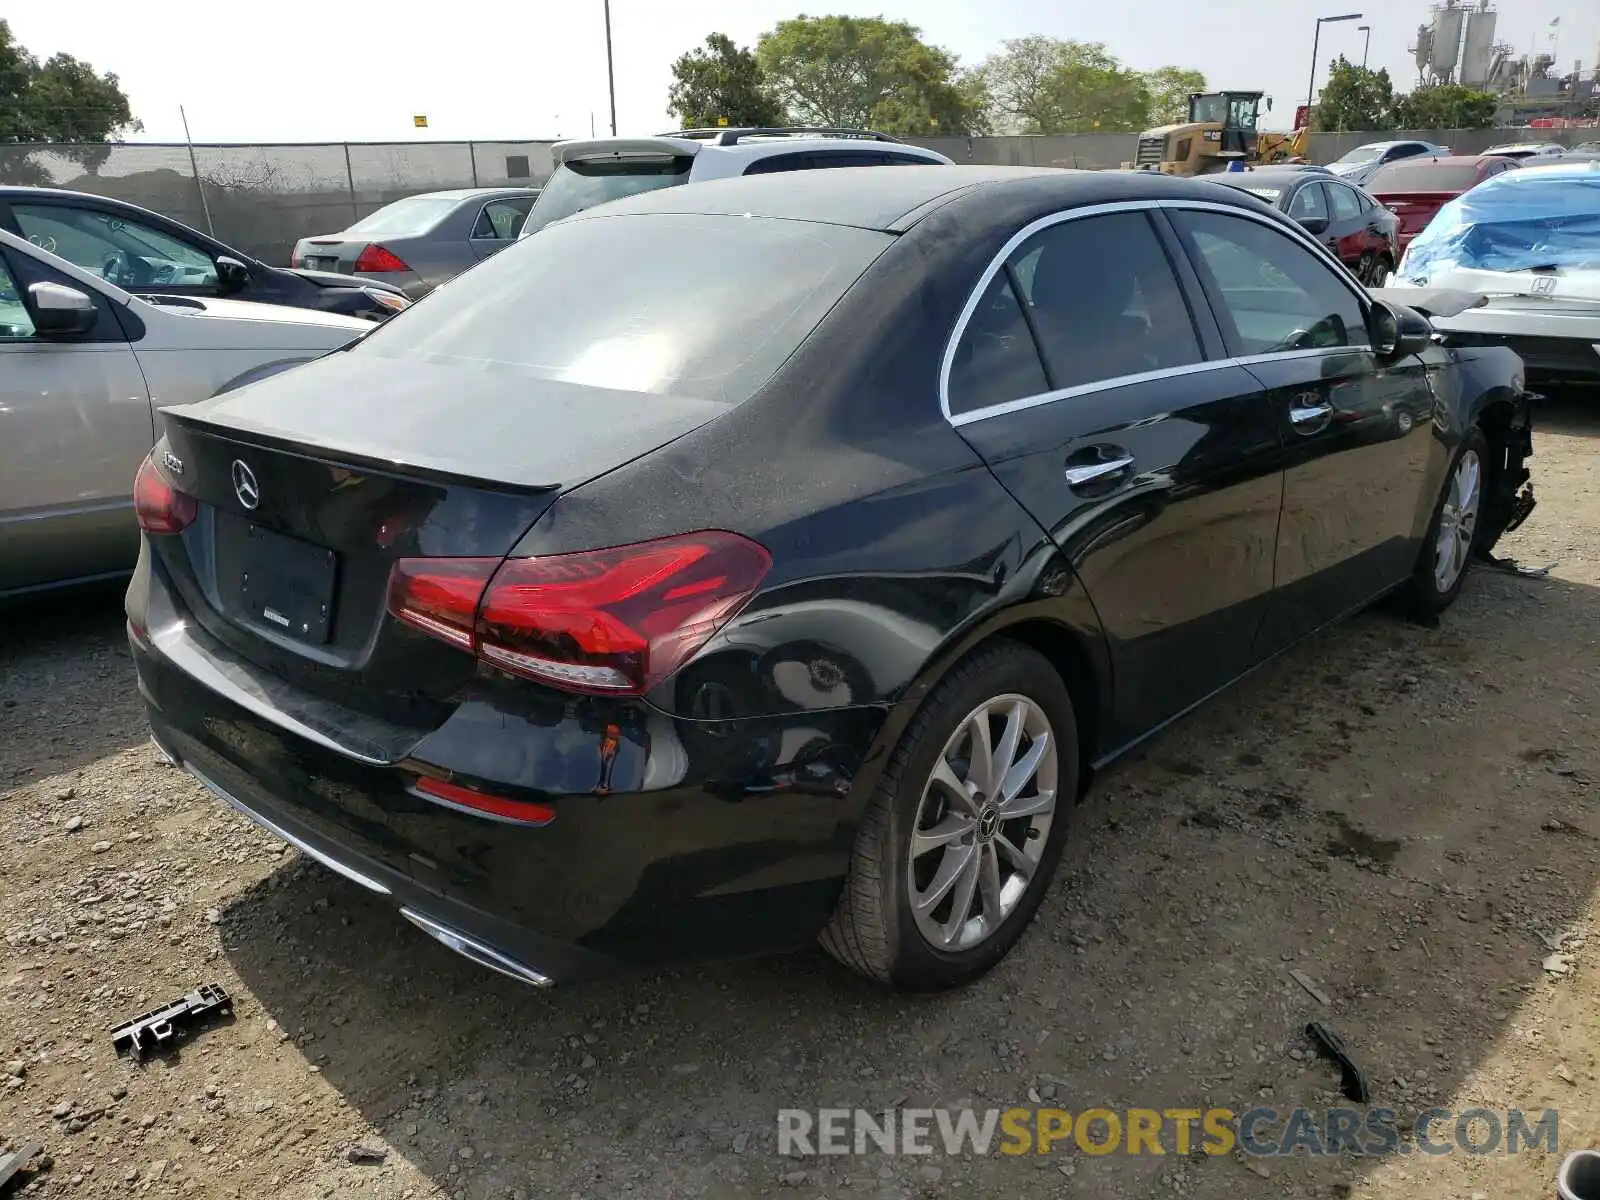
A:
(262, 198)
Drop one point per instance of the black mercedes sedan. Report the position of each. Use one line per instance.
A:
(148, 254)
(735, 564)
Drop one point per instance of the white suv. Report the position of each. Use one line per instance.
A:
(600, 169)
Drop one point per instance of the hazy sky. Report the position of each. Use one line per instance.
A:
(302, 71)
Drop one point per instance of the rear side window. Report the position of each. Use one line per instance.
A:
(1104, 300)
(697, 306)
(1423, 176)
(1082, 302)
(775, 163)
(583, 183)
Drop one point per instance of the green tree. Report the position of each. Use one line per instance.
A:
(1355, 98)
(866, 72)
(60, 100)
(1046, 85)
(721, 82)
(1447, 106)
(1170, 89)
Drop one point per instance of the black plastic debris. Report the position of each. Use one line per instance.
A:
(161, 1028)
(1330, 1045)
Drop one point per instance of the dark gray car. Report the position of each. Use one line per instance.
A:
(419, 242)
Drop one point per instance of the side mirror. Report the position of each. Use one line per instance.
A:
(59, 311)
(1397, 331)
(1314, 225)
(231, 274)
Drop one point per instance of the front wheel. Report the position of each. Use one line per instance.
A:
(1447, 552)
(963, 833)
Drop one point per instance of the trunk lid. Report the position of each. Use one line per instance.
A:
(330, 255)
(312, 484)
(1415, 209)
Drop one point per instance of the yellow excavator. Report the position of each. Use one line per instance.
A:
(1221, 130)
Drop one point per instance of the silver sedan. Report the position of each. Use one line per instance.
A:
(419, 242)
(85, 369)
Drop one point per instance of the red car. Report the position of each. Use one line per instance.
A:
(1416, 188)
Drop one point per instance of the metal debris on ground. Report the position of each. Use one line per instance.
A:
(366, 1155)
(1306, 982)
(1353, 1081)
(11, 1163)
(161, 1028)
(1512, 567)
(1558, 964)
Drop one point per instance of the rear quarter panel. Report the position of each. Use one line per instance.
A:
(894, 547)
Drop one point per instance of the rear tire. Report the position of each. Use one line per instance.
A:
(988, 837)
(1455, 532)
(1373, 270)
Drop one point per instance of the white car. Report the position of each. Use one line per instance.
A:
(1356, 166)
(600, 169)
(1527, 244)
(85, 369)
(1528, 150)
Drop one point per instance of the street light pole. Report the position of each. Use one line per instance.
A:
(1366, 45)
(611, 77)
(1316, 41)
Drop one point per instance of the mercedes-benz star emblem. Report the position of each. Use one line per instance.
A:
(244, 485)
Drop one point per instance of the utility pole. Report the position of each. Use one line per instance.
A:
(194, 166)
(1366, 45)
(611, 76)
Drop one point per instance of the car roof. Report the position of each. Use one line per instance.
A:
(892, 199)
(17, 191)
(1582, 168)
(753, 146)
(1282, 175)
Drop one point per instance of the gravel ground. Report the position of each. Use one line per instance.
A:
(1404, 814)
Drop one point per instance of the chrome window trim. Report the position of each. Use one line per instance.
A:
(1294, 232)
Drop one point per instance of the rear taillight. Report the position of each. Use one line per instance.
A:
(160, 507)
(612, 622)
(376, 258)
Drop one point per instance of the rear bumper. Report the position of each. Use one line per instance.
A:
(693, 844)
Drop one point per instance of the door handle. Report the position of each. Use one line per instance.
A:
(1101, 464)
(1308, 415)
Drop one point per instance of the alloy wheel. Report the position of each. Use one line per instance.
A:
(982, 822)
(1458, 519)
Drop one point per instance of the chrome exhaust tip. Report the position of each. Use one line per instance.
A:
(476, 951)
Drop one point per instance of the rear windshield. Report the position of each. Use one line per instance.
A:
(695, 306)
(586, 182)
(1427, 176)
(414, 215)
